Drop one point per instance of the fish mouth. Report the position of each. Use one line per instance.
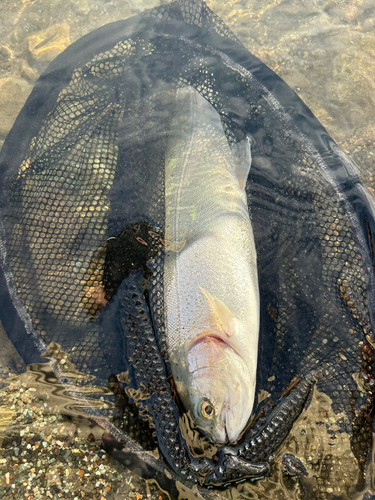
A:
(230, 435)
(225, 435)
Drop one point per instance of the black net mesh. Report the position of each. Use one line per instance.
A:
(83, 226)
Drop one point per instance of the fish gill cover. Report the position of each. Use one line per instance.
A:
(82, 241)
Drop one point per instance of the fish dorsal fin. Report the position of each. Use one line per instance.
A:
(223, 317)
(242, 160)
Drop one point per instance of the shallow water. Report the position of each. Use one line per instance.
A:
(325, 52)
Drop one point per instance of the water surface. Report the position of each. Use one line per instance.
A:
(325, 52)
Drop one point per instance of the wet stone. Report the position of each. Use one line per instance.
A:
(243, 21)
(292, 466)
(49, 43)
(50, 457)
(29, 73)
(5, 53)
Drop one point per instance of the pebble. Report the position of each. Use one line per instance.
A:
(48, 457)
(65, 471)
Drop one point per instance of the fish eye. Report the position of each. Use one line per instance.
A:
(206, 409)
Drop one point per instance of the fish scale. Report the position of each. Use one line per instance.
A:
(210, 269)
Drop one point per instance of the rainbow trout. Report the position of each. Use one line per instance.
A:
(210, 276)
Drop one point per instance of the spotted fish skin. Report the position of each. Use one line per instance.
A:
(210, 276)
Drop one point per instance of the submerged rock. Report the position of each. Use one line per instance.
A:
(49, 43)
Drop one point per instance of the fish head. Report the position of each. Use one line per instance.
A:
(217, 389)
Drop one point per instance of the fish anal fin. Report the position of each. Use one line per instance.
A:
(223, 317)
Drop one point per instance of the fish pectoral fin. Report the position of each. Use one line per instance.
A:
(242, 159)
(223, 317)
